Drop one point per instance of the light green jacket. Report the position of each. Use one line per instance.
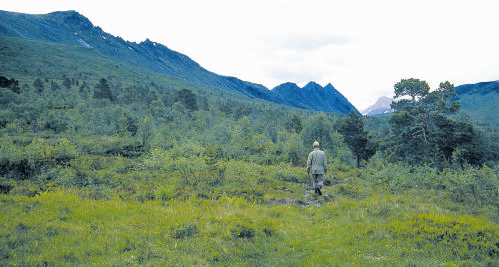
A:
(317, 162)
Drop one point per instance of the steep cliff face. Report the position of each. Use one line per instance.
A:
(72, 28)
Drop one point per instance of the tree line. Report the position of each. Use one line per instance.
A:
(421, 131)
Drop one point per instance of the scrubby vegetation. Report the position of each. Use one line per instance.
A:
(114, 166)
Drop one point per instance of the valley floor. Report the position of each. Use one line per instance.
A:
(69, 227)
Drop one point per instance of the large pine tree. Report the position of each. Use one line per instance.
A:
(352, 129)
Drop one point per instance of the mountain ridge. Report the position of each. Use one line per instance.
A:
(313, 94)
(70, 27)
(381, 106)
(482, 88)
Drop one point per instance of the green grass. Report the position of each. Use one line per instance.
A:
(69, 227)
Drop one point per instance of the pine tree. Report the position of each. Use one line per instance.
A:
(103, 90)
(294, 123)
(66, 83)
(352, 129)
(187, 98)
(38, 85)
(421, 126)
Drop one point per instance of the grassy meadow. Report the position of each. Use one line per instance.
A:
(254, 217)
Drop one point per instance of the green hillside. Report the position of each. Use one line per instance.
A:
(480, 102)
(29, 59)
(102, 163)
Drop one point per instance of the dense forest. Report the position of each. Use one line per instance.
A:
(101, 163)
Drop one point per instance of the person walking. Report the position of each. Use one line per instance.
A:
(317, 165)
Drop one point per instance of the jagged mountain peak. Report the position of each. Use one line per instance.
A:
(382, 106)
(148, 42)
(313, 96)
(70, 19)
(70, 16)
(309, 86)
(329, 86)
(286, 85)
(312, 84)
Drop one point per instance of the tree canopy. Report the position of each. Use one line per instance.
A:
(103, 90)
(422, 126)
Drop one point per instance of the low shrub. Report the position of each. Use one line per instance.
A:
(352, 190)
(25, 188)
(184, 230)
(475, 186)
(165, 192)
(465, 237)
(40, 154)
(287, 174)
(6, 185)
(242, 229)
(269, 228)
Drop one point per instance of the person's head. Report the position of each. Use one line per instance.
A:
(316, 144)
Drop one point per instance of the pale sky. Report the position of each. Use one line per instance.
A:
(361, 47)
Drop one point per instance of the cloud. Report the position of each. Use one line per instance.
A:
(296, 75)
(305, 41)
(288, 65)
